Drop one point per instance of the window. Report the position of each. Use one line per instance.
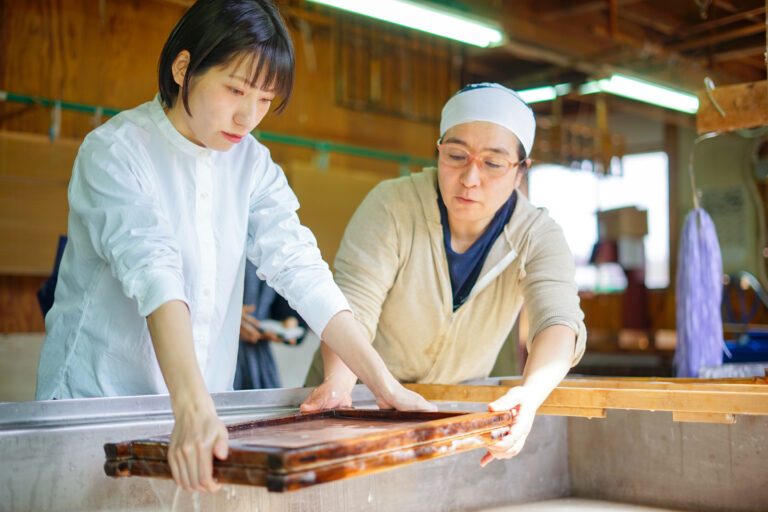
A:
(573, 196)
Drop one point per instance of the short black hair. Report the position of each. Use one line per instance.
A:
(216, 31)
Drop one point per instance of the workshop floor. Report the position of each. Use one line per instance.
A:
(19, 354)
(575, 505)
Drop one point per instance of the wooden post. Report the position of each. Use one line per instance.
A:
(672, 148)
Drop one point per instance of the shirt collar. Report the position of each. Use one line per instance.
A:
(514, 230)
(159, 117)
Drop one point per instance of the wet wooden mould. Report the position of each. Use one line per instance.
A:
(289, 453)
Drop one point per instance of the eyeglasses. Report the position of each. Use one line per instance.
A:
(490, 162)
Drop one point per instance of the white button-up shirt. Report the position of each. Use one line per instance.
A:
(154, 217)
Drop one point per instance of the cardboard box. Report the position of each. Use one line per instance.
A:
(622, 222)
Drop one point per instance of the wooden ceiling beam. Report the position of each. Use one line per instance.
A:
(650, 21)
(741, 53)
(613, 17)
(754, 63)
(182, 3)
(719, 38)
(523, 50)
(581, 8)
(728, 6)
(752, 15)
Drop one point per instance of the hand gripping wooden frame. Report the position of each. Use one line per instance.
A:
(297, 451)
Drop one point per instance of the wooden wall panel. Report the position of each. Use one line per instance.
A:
(34, 173)
(19, 310)
(328, 200)
(105, 53)
(74, 51)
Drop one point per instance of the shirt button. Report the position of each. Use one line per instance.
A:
(204, 195)
(207, 292)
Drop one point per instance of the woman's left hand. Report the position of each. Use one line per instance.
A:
(249, 325)
(520, 403)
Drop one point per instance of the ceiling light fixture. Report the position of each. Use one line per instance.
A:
(646, 92)
(538, 94)
(434, 20)
(548, 93)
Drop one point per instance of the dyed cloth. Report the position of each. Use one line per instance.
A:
(699, 291)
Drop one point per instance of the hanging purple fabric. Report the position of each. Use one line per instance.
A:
(699, 292)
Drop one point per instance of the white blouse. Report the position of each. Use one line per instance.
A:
(154, 217)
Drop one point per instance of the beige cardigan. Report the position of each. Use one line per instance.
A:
(392, 267)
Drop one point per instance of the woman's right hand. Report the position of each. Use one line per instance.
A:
(198, 436)
(330, 394)
(402, 399)
(335, 391)
(198, 433)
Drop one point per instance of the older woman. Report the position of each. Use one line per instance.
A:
(437, 265)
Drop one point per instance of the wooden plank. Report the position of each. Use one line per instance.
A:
(703, 417)
(630, 384)
(745, 106)
(581, 412)
(458, 393)
(736, 402)
(35, 158)
(34, 173)
(32, 217)
(730, 380)
(662, 400)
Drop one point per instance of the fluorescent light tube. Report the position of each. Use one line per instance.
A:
(646, 92)
(548, 93)
(538, 94)
(425, 18)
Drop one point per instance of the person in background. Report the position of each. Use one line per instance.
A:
(438, 264)
(256, 368)
(167, 201)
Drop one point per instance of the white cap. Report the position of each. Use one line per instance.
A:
(493, 103)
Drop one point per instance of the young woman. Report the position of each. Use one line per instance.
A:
(167, 201)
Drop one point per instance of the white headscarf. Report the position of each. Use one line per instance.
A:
(493, 103)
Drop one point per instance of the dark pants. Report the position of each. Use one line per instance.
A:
(256, 368)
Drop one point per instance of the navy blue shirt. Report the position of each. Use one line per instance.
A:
(464, 268)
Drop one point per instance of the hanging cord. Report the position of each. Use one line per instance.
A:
(98, 112)
(696, 193)
(709, 86)
(704, 8)
(55, 128)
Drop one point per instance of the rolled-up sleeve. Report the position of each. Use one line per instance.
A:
(286, 254)
(549, 289)
(126, 226)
